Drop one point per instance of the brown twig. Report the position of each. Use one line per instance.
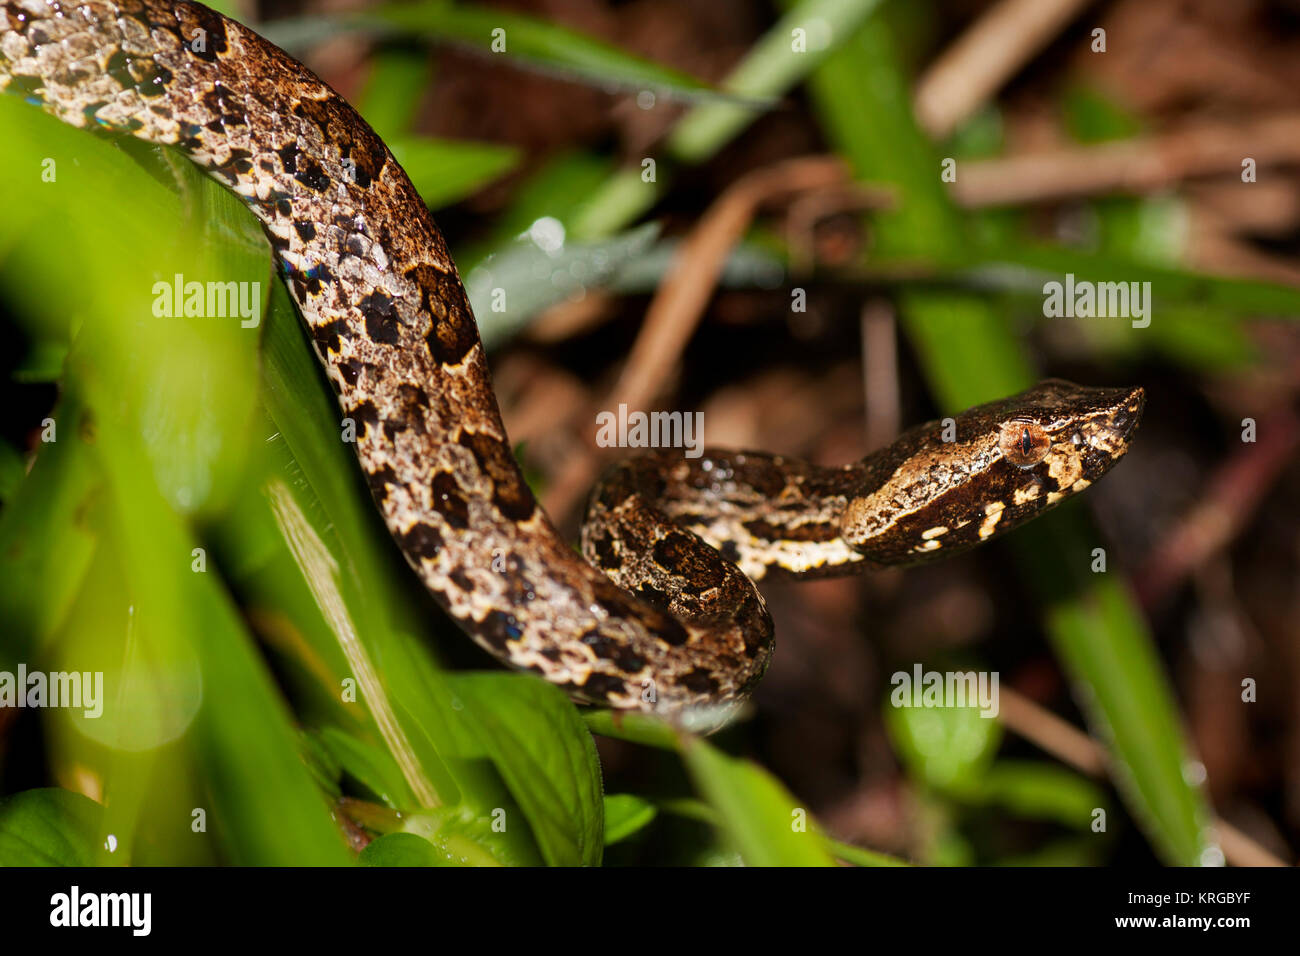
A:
(1217, 250)
(684, 293)
(983, 58)
(1138, 165)
(1054, 735)
(880, 373)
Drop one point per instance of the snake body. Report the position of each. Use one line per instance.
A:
(660, 612)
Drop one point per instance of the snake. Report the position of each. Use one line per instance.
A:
(659, 609)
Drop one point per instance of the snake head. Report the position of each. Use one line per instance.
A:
(949, 485)
(1078, 432)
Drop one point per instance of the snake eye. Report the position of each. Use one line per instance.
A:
(1023, 443)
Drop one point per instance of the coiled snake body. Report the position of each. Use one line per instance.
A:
(663, 614)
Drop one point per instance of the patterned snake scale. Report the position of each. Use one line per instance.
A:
(663, 613)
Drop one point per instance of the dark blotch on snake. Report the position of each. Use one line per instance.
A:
(688, 557)
(288, 157)
(365, 415)
(652, 595)
(700, 681)
(509, 492)
(498, 628)
(327, 335)
(312, 176)
(606, 556)
(608, 649)
(450, 501)
(422, 540)
(380, 479)
(382, 323)
(452, 334)
(350, 371)
(603, 686)
(198, 23)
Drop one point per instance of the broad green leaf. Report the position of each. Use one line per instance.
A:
(460, 838)
(187, 380)
(451, 836)
(693, 809)
(262, 801)
(625, 815)
(949, 748)
(372, 765)
(634, 727)
(168, 399)
(546, 757)
(1100, 637)
(50, 827)
(761, 819)
(402, 849)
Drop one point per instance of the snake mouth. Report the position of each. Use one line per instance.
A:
(1121, 423)
(1128, 413)
(1102, 435)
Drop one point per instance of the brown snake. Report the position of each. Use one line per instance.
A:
(663, 614)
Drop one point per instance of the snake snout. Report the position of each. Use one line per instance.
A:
(1128, 412)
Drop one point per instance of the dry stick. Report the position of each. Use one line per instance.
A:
(1230, 498)
(1215, 249)
(1141, 164)
(880, 373)
(1270, 207)
(571, 317)
(983, 58)
(1063, 741)
(1136, 165)
(684, 293)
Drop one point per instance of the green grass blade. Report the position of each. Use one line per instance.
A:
(771, 69)
(782, 57)
(527, 40)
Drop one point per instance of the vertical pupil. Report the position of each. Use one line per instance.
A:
(1026, 443)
